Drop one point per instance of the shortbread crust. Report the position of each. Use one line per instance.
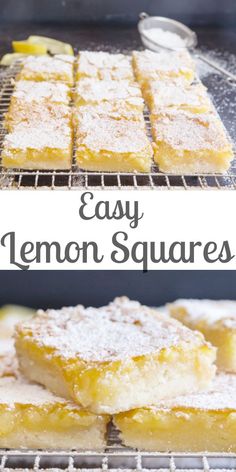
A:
(103, 65)
(189, 143)
(114, 358)
(216, 319)
(107, 144)
(32, 417)
(201, 422)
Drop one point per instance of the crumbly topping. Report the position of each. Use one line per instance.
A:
(209, 311)
(13, 391)
(29, 91)
(98, 134)
(53, 135)
(121, 330)
(149, 61)
(166, 94)
(186, 131)
(92, 90)
(221, 396)
(59, 64)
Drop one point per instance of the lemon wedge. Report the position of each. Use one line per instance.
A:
(27, 48)
(10, 315)
(52, 45)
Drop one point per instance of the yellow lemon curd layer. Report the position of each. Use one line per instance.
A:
(204, 422)
(114, 358)
(216, 319)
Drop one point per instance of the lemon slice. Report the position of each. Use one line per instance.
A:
(10, 315)
(52, 45)
(28, 48)
(8, 59)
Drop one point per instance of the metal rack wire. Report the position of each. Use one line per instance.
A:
(75, 178)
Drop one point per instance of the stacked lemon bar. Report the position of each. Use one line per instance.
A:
(78, 367)
(39, 118)
(110, 128)
(189, 137)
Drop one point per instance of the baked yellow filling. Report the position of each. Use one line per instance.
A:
(202, 422)
(216, 320)
(186, 143)
(158, 66)
(32, 417)
(45, 68)
(164, 95)
(113, 358)
(108, 144)
(92, 92)
(103, 65)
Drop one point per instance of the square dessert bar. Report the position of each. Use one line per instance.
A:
(186, 143)
(27, 91)
(216, 319)
(200, 422)
(36, 113)
(45, 145)
(112, 145)
(103, 65)
(92, 92)
(31, 417)
(177, 95)
(163, 65)
(114, 358)
(58, 68)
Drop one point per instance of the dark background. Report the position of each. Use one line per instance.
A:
(44, 289)
(193, 12)
(111, 24)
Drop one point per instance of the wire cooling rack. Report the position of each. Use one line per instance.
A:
(114, 457)
(221, 86)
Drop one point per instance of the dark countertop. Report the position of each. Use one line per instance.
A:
(107, 37)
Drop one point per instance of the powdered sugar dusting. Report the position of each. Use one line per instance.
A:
(13, 391)
(121, 330)
(152, 62)
(210, 311)
(29, 91)
(53, 134)
(186, 131)
(221, 396)
(177, 93)
(92, 90)
(103, 65)
(99, 133)
(50, 65)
